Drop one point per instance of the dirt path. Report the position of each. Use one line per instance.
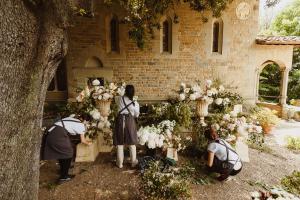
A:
(101, 180)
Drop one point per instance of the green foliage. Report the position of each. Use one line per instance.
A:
(288, 21)
(293, 143)
(294, 77)
(144, 16)
(292, 183)
(173, 110)
(269, 83)
(159, 183)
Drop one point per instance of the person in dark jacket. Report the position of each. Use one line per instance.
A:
(56, 144)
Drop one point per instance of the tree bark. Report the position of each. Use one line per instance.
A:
(32, 43)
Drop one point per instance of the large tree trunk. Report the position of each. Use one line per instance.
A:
(32, 43)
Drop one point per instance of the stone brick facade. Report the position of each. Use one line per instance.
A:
(156, 75)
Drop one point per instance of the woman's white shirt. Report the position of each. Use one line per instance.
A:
(74, 126)
(220, 152)
(134, 109)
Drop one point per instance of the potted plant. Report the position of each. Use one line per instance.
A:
(266, 117)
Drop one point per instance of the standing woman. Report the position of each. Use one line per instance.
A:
(56, 144)
(125, 132)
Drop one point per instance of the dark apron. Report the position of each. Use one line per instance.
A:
(125, 130)
(56, 145)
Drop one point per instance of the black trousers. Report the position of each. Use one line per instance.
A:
(64, 167)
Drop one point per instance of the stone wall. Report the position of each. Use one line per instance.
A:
(156, 75)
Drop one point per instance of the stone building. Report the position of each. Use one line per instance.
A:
(227, 48)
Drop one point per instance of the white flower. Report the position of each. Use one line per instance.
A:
(135, 98)
(221, 88)
(79, 98)
(196, 88)
(187, 90)
(121, 91)
(216, 126)
(255, 194)
(112, 86)
(231, 127)
(100, 97)
(183, 85)
(101, 125)
(226, 101)
(87, 91)
(182, 97)
(106, 96)
(208, 83)
(209, 93)
(95, 114)
(219, 101)
(193, 97)
(226, 117)
(96, 82)
(233, 114)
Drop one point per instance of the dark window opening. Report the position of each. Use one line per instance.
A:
(114, 34)
(167, 37)
(59, 81)
(216, 33)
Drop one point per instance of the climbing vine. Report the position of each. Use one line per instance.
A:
(143, 15)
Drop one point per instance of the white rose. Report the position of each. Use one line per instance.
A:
(96, 82)
(95, 114)
(112, 86)
(100, 97)
(209, 93)
(106, 96)
(183, 85)
(193, 97)
(208, 83)
(231, 127)
(226, 117)
(121, 91)
(219, 101)
(182, 97)
(226, 101)
(221, 88)
(216, 126)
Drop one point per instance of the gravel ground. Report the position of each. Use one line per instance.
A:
(101, 180)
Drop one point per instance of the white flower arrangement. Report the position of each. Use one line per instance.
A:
(195, 92)
(160, 136)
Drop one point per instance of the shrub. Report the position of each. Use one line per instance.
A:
(159, 183)
(293, 143)
(292, 182)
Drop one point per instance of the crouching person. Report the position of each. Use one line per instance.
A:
(221, 157)
(56, 144)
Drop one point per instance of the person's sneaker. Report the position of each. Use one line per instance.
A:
(65, 179)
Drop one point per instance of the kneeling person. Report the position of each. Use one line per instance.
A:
(221, 156)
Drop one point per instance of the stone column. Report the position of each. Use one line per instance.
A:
(284, 86)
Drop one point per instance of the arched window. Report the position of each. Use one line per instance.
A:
(217, 36)
(167, 36)
(114, 34)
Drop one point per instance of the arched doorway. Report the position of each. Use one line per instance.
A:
(269, 89)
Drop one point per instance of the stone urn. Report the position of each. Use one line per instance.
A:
(104, 107)
(172, 153)
(202, 108)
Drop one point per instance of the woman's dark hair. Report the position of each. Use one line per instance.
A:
(129, 91)
(207, 134)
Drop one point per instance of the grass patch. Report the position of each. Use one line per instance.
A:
(293, 143)
(292, 183)
(261, 148)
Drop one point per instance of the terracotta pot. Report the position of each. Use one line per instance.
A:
(267, 128)
(104, 107)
